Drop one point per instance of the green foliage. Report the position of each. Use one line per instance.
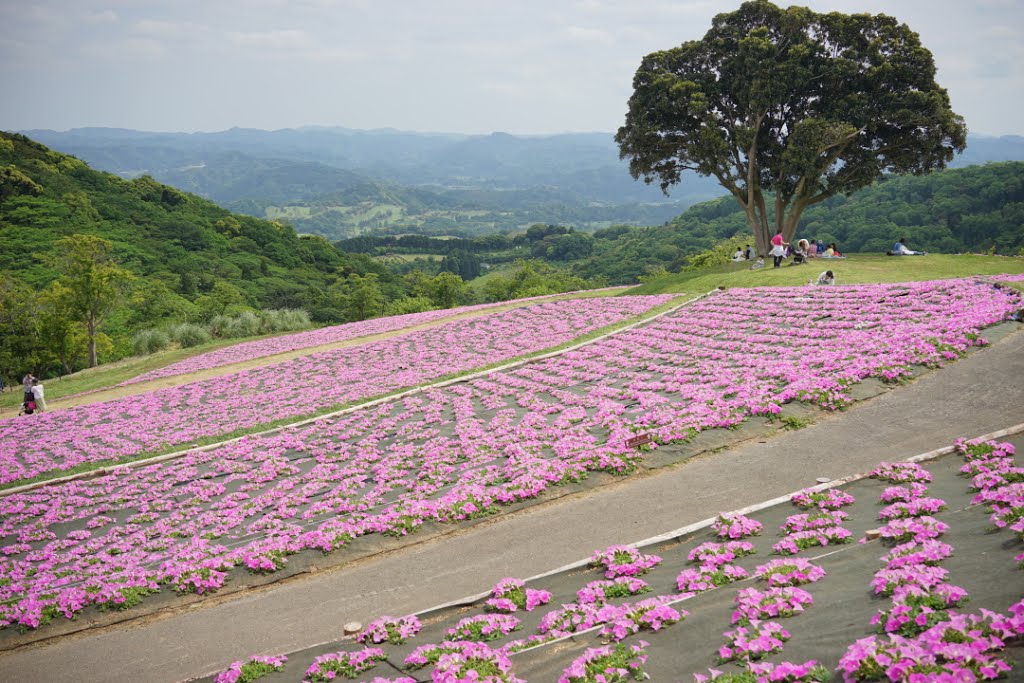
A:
(146, 342)
(718, 255)
(185, 258)
(187, 335)
(409, 304)
(92, 284)
(535, 278)
(803, 105)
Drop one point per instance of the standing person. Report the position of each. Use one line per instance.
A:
(3, 385)
(38, 395)
(778, 248)
(26, 385)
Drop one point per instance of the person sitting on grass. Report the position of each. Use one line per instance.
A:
(759, 264)
(901, 249)
(826, 278)
(738, 256)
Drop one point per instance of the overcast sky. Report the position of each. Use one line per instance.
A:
(471, 66)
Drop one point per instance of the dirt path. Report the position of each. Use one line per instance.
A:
(222, 370)
(976, 395)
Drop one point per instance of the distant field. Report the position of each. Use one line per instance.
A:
(407, 258)
(857, 269)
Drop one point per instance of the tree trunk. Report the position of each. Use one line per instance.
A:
(92, 344)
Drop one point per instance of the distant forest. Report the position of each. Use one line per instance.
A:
(973, 209)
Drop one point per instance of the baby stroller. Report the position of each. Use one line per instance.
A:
(27, 408)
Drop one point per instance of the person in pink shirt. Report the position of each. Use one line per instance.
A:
(778, 248)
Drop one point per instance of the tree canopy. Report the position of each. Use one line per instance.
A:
(791, 102)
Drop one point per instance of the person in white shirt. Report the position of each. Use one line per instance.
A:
(38, 395)
(901, 249)
(826, 278)
(738, 256)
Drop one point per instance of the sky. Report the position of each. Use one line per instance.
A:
(464, 66)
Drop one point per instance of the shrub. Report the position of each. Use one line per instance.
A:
(189, 334)
(146, 342)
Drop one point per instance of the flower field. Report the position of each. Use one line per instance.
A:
(929, 599)
(459, 452)
(112, 430)
(259, 348)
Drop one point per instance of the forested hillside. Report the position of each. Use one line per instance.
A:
(187, 260)
(185, 247)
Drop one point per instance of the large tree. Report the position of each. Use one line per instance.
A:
(787, 107)
(93, 284)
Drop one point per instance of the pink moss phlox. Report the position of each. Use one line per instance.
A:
(610, 663)
(753, 641)
(622, 560)
(736, 526)
(753, 604)
(794, 571)
(394, 630)
(829, 499)
(237, 669)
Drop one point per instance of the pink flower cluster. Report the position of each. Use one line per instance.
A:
(472, 662)
(902, 473)
(961, 648)
(708, 576)
(783, 672)
(628, 619)
(829, 499)
(999, 482)
(329, 666)
(754, 605)
(789, 572)
(736, 526)
(609, 664)
(714, 554)
(756, 640)
(483, 627)
(599, 592)
(252, 668)
(622, 560)
(810, 521)
(509, 595)
(394, 630)
(802, 540)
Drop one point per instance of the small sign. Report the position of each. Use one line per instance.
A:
(639, 440)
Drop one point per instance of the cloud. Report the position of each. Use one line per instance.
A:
(590, 35)
(107, 16)
(503, 88)
(126, 49)
(289, 39)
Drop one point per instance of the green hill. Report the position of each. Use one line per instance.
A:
(182, 248)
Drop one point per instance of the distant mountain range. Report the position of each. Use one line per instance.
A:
(341, 182)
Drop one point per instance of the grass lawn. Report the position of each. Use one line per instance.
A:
(856, 269)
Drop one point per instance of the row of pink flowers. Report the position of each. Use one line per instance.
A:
(260, 348)
(163, 418)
